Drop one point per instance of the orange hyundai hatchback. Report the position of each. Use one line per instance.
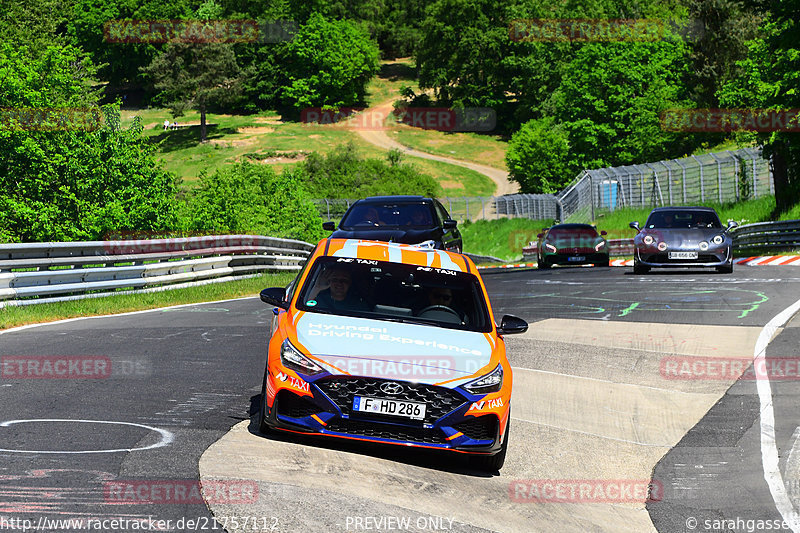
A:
(390, 343)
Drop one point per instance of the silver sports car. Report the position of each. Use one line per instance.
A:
(683, 237)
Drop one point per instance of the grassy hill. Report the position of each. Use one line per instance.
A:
(272, 140)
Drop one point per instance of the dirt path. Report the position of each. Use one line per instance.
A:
(379, 138)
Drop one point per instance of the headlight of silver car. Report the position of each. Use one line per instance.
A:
(292, 358)
(648, 240)
(703, 246)
(718, 239)
(491, 382)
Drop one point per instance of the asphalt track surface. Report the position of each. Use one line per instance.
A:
(591, 402)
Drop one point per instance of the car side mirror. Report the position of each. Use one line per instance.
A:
(539, 235)
(603, 233)
(275, 296)
(329, 226)
(449, 224)
(634, 225)
(512, 324)
(732, 224)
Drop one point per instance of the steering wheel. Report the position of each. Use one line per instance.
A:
(440, 308)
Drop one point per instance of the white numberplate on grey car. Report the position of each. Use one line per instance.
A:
(383, 406)
(683, 255)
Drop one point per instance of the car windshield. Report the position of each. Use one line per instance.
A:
(683, 219)
(395, 291)
(573, 237)
(391, 214)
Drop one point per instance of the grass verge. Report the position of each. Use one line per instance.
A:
(122, 303)
(502, 238)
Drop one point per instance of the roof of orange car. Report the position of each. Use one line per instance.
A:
(396, 253)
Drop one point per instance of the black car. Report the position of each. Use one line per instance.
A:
(683, 237)
(402, 219)
(572, 244)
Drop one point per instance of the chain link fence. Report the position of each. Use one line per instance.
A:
(730, 176)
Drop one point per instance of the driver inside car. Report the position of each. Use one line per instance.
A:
(438, 298)
(334, 291)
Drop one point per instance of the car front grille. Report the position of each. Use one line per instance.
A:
(479, 428)
(576, 251)
(439, 400)
(387, 431)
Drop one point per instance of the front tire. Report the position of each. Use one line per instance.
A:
(640, 269)
(725, 269)
(543, 265)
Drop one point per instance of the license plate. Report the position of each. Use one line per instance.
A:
(683, 255)
(383, 406)
(577, 258)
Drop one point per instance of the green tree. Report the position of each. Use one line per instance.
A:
(610, 98)
(251, 198)
(719, 32)
(196, 76)
(66, 179)
(538, 157)
(328, 63)
(770, 79)
(35, 25)
(120, 63)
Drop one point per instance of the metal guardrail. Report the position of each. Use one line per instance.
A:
(35, 272)
(783, 234)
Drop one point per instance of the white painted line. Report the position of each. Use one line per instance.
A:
(769, 449)
(63, 321)
(604, 380)
(166, 436)
(593, 434)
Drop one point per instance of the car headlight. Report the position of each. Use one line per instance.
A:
(491, 382)
(550, 247)
(599, 246)
(648, 240)
(662, 246)
(703, 246)
(292, 358)
(718, 239)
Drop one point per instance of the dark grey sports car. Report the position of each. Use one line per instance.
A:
(683, 237)
(404, 219)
